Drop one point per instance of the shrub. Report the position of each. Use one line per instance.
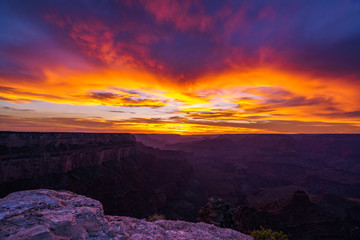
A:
(155, 217)
(268, 234)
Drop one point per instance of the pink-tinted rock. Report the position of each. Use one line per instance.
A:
(48, 214)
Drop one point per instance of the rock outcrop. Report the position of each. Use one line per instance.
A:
(301, 219)
(218, 212)
(31, 155)
(47, 214)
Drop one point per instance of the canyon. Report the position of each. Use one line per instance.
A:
(127, 177)
(306, 185)
(260, 180)
(265, 167)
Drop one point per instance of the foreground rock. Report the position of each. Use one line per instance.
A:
(48, 214)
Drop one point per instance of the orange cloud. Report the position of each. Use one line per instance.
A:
(188, 67)
(259, 100)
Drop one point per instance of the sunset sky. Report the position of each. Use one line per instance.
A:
(185, 67)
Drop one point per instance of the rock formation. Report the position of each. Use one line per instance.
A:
(257, 172)
(127, 177)
(47, 214)
(266, 167)
(33, 155)
(302, 219)
(217, 212)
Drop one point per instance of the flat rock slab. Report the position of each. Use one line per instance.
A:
(48, 214)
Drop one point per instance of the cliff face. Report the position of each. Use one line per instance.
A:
(29, 155)
(301, 219)
(218, 212)
(46, 214)
(128, 178)
(265, 167)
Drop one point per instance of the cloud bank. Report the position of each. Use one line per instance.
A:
(189, 67)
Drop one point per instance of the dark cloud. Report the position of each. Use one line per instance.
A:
(119, 111)
(125, 99)
(342, 115)
(15, 91)
(339, 59)
(275, 98)
(18, 109)
(282, 126)
(211, 114)
(82, 52)
(53, 124)
(94, 125)
(297, 101)
(104, 95)
(4, 99)
(182, 38)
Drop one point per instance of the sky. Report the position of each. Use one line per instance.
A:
(183, 67)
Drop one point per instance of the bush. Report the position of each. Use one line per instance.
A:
(268, 234)
(155, 217)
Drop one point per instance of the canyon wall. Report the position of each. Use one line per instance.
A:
(127, 177)
(29, 155)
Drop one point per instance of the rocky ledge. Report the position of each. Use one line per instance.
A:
(47, 214)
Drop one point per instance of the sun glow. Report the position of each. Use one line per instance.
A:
(73, 73)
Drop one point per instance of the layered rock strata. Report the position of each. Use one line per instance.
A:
(129, 178)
